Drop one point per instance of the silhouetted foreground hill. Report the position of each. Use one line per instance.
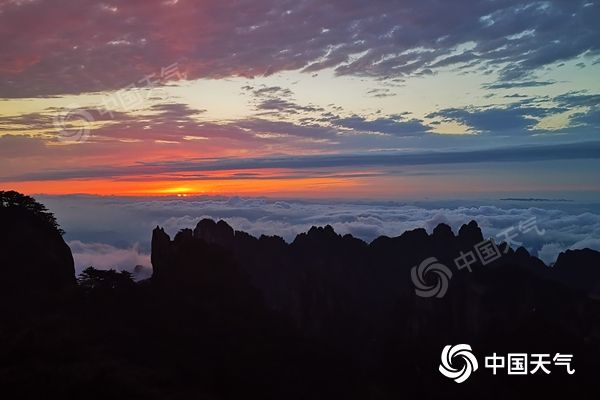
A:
(230, 316)
(33, 255)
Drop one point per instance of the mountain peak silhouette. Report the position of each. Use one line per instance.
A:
(470, 232)
(214, 232)
(321, 261)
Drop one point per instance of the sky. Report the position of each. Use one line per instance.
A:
(374, 116)
(345, 99)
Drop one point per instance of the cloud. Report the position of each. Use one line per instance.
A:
(270, 91)
(578, 99)
(519, 118)
(389, 126)
(587, 105)
(173, 122)
(544, 229)
(381, 93)
(285, 106)
(179, 112)
(104, 256)
(278, 101)
(564, 151)
(77, 46)
(588, 119)
(513, 85)
(269, 128)
(16, 145)
(523, 116)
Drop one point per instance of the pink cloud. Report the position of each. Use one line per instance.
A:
(74, 46)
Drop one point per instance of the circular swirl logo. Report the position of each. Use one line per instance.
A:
(468, 358)
(443, 274)
(73, 124)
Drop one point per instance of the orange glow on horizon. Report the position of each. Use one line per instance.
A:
(249, 187)
(283, 184)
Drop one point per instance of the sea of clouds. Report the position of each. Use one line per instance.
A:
(115, 232)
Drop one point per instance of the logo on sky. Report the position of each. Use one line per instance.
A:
(73, 124)
(469, 362)
(442, 273)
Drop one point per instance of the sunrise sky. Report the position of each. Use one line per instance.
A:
(304, 98)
